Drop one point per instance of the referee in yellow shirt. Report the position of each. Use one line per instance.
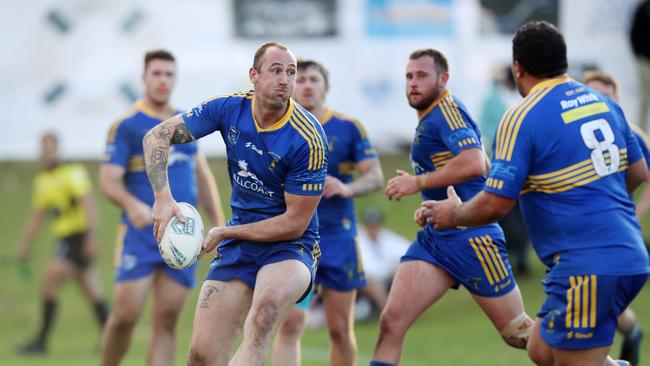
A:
(63, 192)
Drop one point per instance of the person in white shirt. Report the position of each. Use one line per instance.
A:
(381, 250)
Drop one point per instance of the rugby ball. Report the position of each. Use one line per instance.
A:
(181, 242)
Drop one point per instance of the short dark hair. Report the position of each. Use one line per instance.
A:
(257, 60)
(157, 55)
(540, 49)
(305, 64)
(439, 60)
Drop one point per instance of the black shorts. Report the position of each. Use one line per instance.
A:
(71, 248)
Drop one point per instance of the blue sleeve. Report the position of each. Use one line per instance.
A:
(511, 167)
(206, 117)
(308, 169)
(362, 147)
(457, 133)
(118, 145)
(644, 148)
(634, 150)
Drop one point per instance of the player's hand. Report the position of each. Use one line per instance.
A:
(401, 185)
(139, 214)
(419, 217)
(334, 187)
(164, 208)
(441, 213)
(215, 236)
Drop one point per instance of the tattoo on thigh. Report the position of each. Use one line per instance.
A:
(209, 290)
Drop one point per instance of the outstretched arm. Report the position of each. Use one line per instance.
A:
(30, 232)
(482, 209)
(467, 164)
(156, 145)
(290, 225)
(371, 179)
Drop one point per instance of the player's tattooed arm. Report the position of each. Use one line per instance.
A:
(156, 145)
(371, 179)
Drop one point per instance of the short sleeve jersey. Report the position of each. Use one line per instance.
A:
(57, 191)
(263, 163)
(348, 144)
(124, 148)
(564, 151)
(444, 131)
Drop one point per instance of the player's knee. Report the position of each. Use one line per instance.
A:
(197, 357)
(517, 332)
(165, 319)
(390, 322)
(123, 319)
(340, 332)
(265, 315)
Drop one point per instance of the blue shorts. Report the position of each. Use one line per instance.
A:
(580, 312)
(477, 259)
(243, 259)
(137, 256)
(340, 267)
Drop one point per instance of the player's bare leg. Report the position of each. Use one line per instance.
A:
(220, 313)
(90, 284)
(286, 349)
(543, 355)
(339, 315)
(56, 273)
(168, 300)
(406, 301)
(130, 297)
(629, 327)
(275, 293)
(508, 316)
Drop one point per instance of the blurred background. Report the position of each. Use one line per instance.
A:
(74, 67)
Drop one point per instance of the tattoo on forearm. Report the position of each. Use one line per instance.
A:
(209, 290)
(368, 182)
(156, 151)
(182, 135)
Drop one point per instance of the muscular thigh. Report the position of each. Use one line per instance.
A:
(416, 286)
(130, 297)
(220, 313)
(169, 295)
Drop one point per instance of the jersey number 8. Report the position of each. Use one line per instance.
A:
(598, 148)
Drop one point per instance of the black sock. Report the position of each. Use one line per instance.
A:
(101, 312)
(49, 312)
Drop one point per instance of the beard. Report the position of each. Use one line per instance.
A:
(426, 100)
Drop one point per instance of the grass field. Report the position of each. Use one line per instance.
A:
(453, 332)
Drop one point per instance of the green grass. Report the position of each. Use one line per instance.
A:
(453, 332)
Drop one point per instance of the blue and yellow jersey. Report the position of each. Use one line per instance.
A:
(57, 191)
(124, 148)
(444, 131)
(348, 144)
(564, 151)
(264, 163)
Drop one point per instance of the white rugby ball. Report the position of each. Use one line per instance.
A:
(181, 242)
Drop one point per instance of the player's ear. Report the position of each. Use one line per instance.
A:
(252, 74)
(517, 69)
(442, 81)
